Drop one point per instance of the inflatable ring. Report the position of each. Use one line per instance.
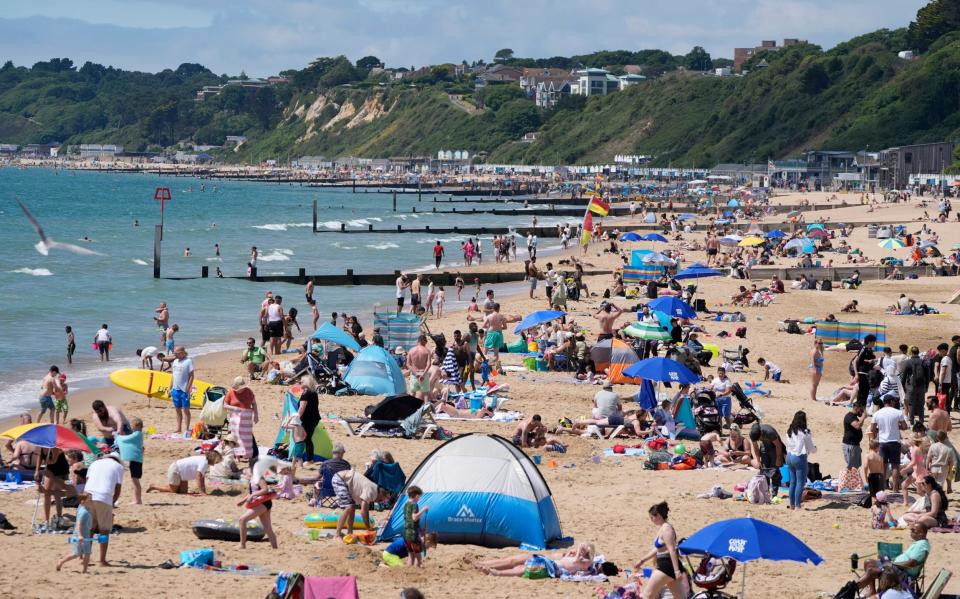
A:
(318, 520)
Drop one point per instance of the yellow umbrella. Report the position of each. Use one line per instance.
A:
(750, 241)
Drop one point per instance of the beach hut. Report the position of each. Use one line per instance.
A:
(375, 372)
(322, 447)
(481, 490)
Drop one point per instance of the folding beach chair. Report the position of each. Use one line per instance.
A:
(326, 497)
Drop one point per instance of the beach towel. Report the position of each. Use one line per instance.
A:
(241, 424)
(837, 333)
(641, 274)
(397, 329)
(324, 587)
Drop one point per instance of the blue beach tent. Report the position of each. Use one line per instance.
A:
(375, 372)
(482, 490)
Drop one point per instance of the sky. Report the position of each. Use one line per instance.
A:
(263, 37)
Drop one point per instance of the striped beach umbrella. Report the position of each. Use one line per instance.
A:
(647, 331)
(750, 242)
(891, 244)
(49, 436)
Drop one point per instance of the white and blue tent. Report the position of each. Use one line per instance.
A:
(482, 490)
(375, 372)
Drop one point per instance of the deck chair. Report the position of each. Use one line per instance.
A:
(735, 359)
(936, 586)
(326, 497)
(419, 424)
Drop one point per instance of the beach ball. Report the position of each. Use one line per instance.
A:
(680, 449)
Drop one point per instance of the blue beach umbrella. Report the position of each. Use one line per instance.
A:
(673, 306)
(663, 370)
(813, 226)
(746, 540)
(328, 332)
(776, 234)
(631, 237)
(697, 271)
(657, 258)
(537, 318)
(654, 237)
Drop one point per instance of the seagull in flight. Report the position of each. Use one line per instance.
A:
(46, 244)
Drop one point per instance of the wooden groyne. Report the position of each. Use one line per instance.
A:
(350, 278)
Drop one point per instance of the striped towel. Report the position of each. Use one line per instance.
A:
(241, 424)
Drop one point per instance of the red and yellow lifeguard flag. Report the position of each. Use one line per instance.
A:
(598, 206)
(587, 229)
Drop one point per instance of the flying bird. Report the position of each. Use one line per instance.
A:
(46, 244)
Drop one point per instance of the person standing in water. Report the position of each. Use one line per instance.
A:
(102, 339)
(71, 344)
(437, 254)
(216, 250)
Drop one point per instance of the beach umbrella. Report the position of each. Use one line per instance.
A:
(537, 318)
(793, 213)
(687, 216)
(657, 258)
(655, 237)
(673, 306)
(926, 244)
(891, 244)
(747, 540)
(733, 204)
(804, 245)
(776, 234)
(751, 241)
(817, 233)
(730, 240)
(697, 271)
(631, 237)
(661, 369)
(721, 221)
(329, 332)
(815, 226)
(647, 331)
(50, 436)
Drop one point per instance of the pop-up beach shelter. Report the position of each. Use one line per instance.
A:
(482, 490)
(322, 447)
(375, 372)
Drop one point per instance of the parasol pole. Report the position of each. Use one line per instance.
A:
(743, 581)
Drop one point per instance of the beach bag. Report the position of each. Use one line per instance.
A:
(813, 472)
(537, 567)
(741, 332)
(758, 490)
(197, 558)
(657, 458)
(213, 413)
(850, 480)
(792, 327)
(942, 400)
(848, 591)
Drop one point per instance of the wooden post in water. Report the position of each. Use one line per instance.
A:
(157, 236)
(394, 200)
(204, 271)
(314, 215)
(354, 186)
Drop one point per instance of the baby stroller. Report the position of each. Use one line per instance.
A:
(712, 575)
(705, 412)
(328, 380)
(748, 413)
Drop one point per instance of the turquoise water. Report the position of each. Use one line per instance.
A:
(40, 294)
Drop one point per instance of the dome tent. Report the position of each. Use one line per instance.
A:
(375, 372)
(482, 490)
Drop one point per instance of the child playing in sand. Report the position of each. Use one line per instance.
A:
(873, 469)
(473, 307)
(396, 551)
(83, 544)
(131, 450)
(412, 534)
(181, 471)
(771, 371)
(882, 517)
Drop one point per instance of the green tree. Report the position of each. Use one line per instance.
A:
(496, 95)
(369, 62)
(815, 78)
(264, 106)
(934, 21)
(518, 117)
(503, 55)
(698, 59)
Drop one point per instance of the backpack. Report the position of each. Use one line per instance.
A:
(848, 591)
(758, 490)
(741, 332)
(792, 327)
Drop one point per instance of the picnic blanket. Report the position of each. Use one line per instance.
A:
(836, 333)
(397, 329)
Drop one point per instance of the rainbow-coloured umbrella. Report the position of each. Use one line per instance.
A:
(891, 244)
(49, 435)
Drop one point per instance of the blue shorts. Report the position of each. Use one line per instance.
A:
(724, 405)
(298, 451)
(169, 345)
(46, 403)
(776, 375)
(180, 399)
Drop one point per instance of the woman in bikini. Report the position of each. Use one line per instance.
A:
(815, 367)
(668, 571)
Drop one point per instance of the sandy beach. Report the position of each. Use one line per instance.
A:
(603, 501)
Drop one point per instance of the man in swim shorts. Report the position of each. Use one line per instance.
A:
(48, 389)
(418, 363)
(415, 294)
(494, 324)
(182, 368)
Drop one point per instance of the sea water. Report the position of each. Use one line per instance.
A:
(39, 294)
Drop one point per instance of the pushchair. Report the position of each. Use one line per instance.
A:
(705, 412)
(712, 575)
(328, 380)
(748, 413)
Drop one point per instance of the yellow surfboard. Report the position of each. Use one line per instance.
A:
(155, 384)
